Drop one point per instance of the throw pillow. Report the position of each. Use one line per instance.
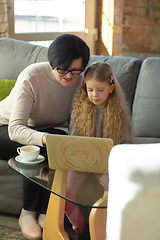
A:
(6, 86)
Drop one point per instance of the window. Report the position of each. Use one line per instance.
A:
(43, 20)
(49, 16)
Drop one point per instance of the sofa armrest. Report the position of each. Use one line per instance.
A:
(146, 105)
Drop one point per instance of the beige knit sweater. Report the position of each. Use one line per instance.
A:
(37, 101)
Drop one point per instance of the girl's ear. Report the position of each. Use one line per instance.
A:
(111, 88)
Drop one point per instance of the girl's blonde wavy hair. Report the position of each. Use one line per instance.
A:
(116, 119)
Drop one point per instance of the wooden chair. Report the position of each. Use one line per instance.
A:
(72, 153)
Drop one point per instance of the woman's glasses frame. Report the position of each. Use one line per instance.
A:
(73, 72)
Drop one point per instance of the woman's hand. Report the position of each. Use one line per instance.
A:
(44, 139)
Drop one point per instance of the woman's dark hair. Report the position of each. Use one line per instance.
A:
(66, 48)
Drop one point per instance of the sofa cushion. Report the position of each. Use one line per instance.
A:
(6, 86)
(16, 55)
(11, 189)
(126, 70)
(146, 106)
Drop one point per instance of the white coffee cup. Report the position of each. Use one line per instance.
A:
(28, 153)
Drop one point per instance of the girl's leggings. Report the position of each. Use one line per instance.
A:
(73, 212)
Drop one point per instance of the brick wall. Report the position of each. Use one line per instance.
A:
(141, 26)
(3, 19)
(136, 26)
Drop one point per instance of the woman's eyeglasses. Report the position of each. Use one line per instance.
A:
(73, 72)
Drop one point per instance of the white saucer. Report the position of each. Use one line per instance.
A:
(39, 159)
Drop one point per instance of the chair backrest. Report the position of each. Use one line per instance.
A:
(73, 153)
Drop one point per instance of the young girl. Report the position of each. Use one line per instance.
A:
(99, 110)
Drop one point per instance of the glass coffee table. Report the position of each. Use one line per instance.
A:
(42, 175)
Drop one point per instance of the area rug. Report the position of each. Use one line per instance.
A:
(11, 233)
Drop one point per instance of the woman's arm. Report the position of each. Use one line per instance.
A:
(21, 109)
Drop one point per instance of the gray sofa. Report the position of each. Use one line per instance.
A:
(140, 82)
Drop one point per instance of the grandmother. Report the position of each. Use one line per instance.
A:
(41, 100)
